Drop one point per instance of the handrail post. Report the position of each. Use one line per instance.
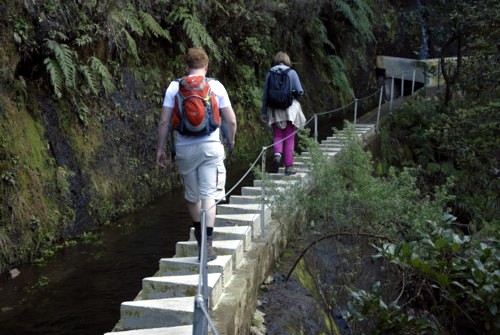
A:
(413, 82)
(402, 83)
(262, 193)
(355, 111)
(315, 127)
(392, 94)
(200, 322)
(379, 106)
(439, 72)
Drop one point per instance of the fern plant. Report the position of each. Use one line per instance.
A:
(56, 75)
(102, 71)
(188, 15)
(62, 69)
(129, 21)
(359, 16)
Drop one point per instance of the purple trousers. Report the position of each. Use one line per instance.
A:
(284, 147)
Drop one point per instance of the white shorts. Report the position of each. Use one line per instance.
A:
(200, 165)
(221, 182)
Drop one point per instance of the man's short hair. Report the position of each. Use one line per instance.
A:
(196, 58)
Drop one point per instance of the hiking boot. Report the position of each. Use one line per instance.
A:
(289, 171)
(211, 255)
(276, 163)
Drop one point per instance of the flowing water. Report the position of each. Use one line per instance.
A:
(79, 291)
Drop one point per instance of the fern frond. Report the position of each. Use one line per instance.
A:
(339, 79)
(83, 40)
(89, 79)
(56, 75)
(61, 35)
(133, 22)
(346, 10)
(106, 78)
(194, 29)
(83, 112)
(132, 46)
(319, 37)
(153, 26)
(358, 16)
(365, 7)
(365, 15)
(64, 56)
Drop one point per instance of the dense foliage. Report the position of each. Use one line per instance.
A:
(385, 255)
(430, 207)
(82, 83)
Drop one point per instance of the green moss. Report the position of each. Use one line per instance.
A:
(308, 282)
(33, 201)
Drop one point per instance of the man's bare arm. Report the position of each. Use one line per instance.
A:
(229, 118)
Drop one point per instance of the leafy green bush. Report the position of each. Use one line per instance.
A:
(452, 284)
(427, 276)
(459, 142)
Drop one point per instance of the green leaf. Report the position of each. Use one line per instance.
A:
(493, 309)
(55, 74)
(153, 26)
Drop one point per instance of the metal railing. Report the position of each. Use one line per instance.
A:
(201, 319)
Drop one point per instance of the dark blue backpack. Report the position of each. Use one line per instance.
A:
(279, 89)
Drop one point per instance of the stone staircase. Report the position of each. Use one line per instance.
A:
(165, 305)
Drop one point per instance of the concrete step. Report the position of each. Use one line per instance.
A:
(285, 182)
(169, 312)
(243, 233)
(250, 190)
(234, 248)
(236, 220)
(180, 330)
(303, 159)
(278, 177)
(307, 154)
(365, 126)
(330, 148)
(300, 167)
(181, 286)
(244, 199)
(341, 137)
(177, 266)
(362, 130)
(242, 209)
(331, 141)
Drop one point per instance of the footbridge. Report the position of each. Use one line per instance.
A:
(415, 73)
(183, 297)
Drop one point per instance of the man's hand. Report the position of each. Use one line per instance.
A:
(161, 158)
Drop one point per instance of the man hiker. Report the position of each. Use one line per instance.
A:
(198, 153)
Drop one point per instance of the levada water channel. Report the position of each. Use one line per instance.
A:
(80, 290)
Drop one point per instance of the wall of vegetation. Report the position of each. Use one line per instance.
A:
(82, 85)
(408, 242)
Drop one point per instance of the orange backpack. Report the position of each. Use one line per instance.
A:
(196, 111)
